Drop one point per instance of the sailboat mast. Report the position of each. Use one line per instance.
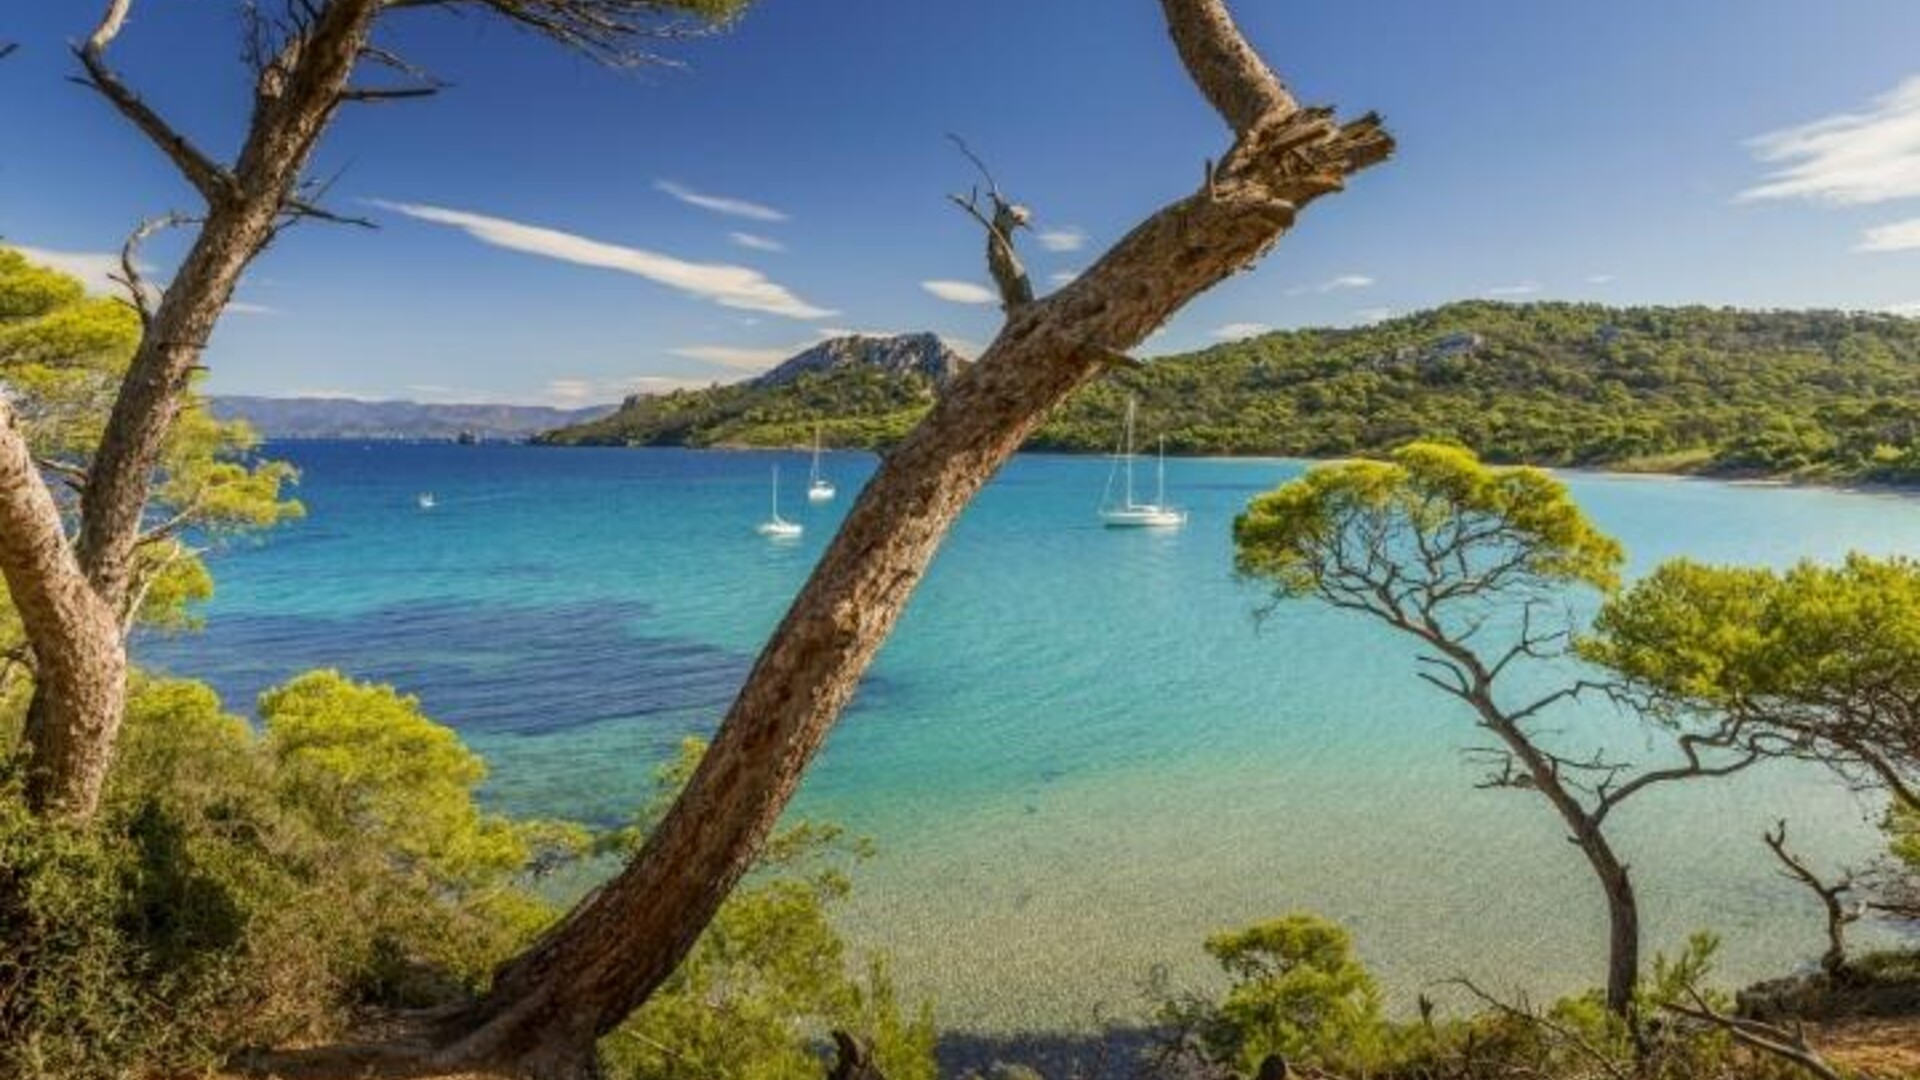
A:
(1129, 454)
(1160, 485)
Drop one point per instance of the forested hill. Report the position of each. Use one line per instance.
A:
(1678, 389)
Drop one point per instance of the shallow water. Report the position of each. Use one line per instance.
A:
(1078, 755)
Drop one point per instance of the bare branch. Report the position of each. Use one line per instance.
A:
(1839, 915)
(139, 295)
(1568, 1035)
(213, 181)
(1787, 1045)
(1009, 274)
(74, 476)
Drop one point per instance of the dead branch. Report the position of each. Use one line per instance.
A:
(1561, 1031)
(139, 294)
(1767, 1038)
(213, 181)
(1007, 218)
(1839, 914)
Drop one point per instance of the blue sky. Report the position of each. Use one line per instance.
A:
(557, 232)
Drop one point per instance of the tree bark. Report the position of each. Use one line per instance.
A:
(548, 1007)
(74, 718)
(80, 661)
(1623, 909)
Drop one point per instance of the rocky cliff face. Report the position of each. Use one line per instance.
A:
(904, 354)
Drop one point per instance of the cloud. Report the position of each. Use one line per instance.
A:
(1899, 236)
(740, 358)
(729, 286)
(720, 204)
(961, 292)
(1063, 277)
(95, 269)
(1064, 239)
(968, 348)
(1369, 316)
(1599, 279)
(1335, 284)
(756, 242)
(1525, 288)
(243, 307)
(1848, 159)
(1235, 331)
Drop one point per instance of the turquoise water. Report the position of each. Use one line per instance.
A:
(1078, 755)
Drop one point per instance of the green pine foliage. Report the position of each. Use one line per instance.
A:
(1815, 394)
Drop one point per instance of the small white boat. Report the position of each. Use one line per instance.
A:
(1130, 514)
(819, 488)
(426, 500)
(777, 527)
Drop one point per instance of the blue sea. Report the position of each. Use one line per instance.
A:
(1080, 753)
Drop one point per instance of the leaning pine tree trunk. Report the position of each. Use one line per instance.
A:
(73, 721)
(548, 1007)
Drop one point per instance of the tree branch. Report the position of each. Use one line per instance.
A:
(1838, 914)
(1003, 262)
(1766, 1038)
(1231, 75)
(213, 181)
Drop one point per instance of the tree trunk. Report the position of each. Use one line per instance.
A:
(548, 1008)
(74, 718)
(1623, 921)
(80, 662)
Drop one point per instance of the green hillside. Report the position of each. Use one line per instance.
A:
(1817, 394)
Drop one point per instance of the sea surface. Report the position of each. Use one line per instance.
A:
(1080, 753)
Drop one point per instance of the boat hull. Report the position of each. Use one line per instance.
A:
(1143, 517)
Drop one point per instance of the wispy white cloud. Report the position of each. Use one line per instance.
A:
(720, 204)
(1063, 239)
(966, 347)
(961, 292)
(843, 331)
(95, 269)
(1234, 331)
(1599, 279)
(1063, 277)
(1899, 236)
(738, 357)
(1847, 159)
(730, 286)
(1335, 284)
(1369, 316)
(756, 242)
(1525, 288)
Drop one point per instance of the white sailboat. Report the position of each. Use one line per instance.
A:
(426, 500)
(777, 527)
(1138, 515)
(819, 488)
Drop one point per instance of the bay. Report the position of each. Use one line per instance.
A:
(1079, 754)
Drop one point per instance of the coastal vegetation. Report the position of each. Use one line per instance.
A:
(323, 894)
(1813, 394)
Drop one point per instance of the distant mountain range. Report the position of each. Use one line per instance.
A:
(347, 418)
(1812, 394)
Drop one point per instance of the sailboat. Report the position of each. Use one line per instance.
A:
(426, 500)
(819, 488)
(1137, 515)
(778, 527)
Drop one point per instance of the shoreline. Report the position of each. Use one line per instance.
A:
(1621, 471)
